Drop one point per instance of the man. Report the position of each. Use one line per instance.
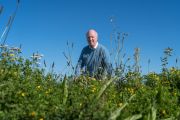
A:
(94, 59)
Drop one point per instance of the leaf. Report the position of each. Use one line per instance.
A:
(65, 90)
(153, 116)
(117, 112)
(134, 117)
(104, 87)
(171, 118)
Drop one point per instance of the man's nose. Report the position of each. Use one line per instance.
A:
(90, 38)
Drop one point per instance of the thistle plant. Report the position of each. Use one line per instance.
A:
(117, 44)
(149, 61)
(177, 62)
(164, 60)
(136, 60)
(36, 57)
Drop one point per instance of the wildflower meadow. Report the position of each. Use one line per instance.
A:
(29, 92)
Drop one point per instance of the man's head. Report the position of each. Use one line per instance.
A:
(92, 38)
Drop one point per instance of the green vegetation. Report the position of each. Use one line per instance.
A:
(27, 92)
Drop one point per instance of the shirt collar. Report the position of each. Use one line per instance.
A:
(95, 46)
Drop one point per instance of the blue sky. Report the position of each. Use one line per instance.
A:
(46, 26)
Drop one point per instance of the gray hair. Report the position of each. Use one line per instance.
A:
(92, 31)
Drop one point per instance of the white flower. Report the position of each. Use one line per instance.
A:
(15, 49)
(37, 56)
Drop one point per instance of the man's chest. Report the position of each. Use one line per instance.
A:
(92, 57)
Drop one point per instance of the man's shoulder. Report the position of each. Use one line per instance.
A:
(102, 47)
(86, 47)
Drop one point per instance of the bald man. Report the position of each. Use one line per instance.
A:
(94, 59)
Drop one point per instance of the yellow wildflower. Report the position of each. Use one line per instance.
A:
(41, 119)
(164, 112)
(120, 104)
(38, 87)
(22, 94)
(11, 55)
(174, 93)
(47, 92)
(131, 90)
(32, 114)
(80, 104)
(2, 70)
(93, 89)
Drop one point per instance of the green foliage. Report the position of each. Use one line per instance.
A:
(27, 92)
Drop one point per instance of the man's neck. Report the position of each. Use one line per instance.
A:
(94, 46)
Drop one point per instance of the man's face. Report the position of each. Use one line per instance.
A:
(92, 38)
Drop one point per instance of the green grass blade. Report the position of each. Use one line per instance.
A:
(117, 112)
(65, 90)
(104, 87)
(153, 110)
(134, 117)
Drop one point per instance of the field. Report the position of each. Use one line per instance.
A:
(28, 92)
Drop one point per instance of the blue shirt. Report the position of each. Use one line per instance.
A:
(93, 60)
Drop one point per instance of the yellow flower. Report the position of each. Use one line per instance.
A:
(174, 93)
(49, 78)
(163, 112)
(80, 104)
(93, 89)
(22, 94)
(41, 119)
(131, 90)
(2, 70)
(120, 104)
(32, 114)
(38, 87)
(157, 78)
(47, 92)
(11, 55)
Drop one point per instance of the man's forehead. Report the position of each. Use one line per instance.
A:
(91, 33)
